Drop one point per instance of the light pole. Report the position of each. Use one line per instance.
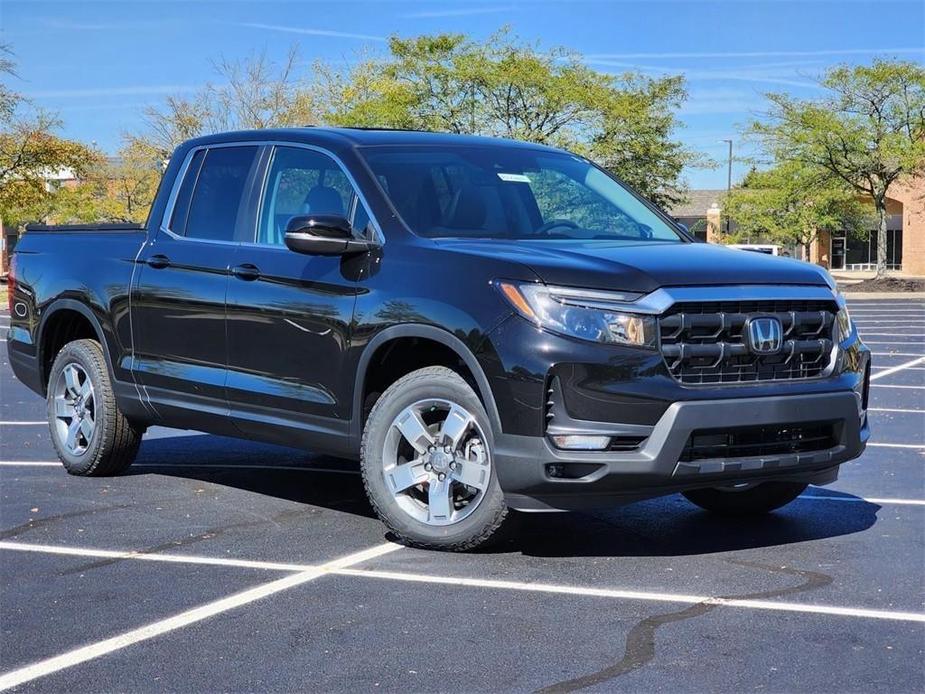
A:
(728, 178)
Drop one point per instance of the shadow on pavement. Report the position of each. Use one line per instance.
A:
(667, 526)
(672, 526)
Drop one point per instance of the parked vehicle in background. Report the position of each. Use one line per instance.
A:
(487, 325)
(766, 248)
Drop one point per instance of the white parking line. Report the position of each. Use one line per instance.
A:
(636, 595)
(343, 569)
(892, 354)
(167, 466)
(225, 468)
(23, 424)
(898, 367)
(893, 409)
(141, 556)
(897, 445)
(917, 334)
(899, 502)
(891, 385)
(197, 614)
(28, 463)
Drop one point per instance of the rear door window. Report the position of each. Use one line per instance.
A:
(185, 194)
(218, 194)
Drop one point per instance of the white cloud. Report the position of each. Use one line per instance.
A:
(704, 100)
(460, 12)
(132, 90)
(758, 54)
(758, 74)
(312, 32)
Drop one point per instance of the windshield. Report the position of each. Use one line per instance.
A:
(511, 193)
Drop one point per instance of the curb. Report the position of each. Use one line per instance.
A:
(882, 295)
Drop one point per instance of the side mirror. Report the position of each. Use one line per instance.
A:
(323, 234)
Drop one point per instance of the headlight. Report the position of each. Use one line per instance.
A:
(585, 314)
(843, 325)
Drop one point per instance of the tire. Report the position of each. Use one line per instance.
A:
(433, 511)
(762, 498)
(109, 444)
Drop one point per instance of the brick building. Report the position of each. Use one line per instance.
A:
(834, 250)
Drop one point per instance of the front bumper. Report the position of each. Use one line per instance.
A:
(654, 468)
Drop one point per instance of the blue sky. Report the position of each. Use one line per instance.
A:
(97, 64)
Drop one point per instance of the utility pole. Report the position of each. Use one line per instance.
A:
(728, 178)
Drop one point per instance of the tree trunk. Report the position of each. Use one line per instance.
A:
(880, 203)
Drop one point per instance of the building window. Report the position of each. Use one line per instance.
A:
(862, 250)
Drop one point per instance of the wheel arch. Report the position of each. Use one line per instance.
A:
(52, 317)
(424, 332)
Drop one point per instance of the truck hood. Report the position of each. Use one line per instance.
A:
(643, 267)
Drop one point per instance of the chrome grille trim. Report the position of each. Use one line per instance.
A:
(660, 300)
(702, 341)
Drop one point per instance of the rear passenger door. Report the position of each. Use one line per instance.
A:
(178, 299)
(289, 314)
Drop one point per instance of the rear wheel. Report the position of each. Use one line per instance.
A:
(427, 462)
(745, 501)
(90, 434)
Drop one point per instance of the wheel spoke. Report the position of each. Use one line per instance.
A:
(72, 431)
(86, 428)
(455, 426)
(439, 501)
(72, 380)
(63, 407)
(406, 475)
(86, 390)
(471, 473)
(412, 427)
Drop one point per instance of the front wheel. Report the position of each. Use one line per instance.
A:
(427, 462)
(90, 434)
(746, 501)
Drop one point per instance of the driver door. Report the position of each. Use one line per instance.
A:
(289, 314)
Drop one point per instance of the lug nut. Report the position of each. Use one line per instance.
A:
(453, 465)
(431, 449)
(428, 467)
(441, 477)
(447, 449)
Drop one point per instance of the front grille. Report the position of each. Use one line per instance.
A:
(702, 342)
(745, 442)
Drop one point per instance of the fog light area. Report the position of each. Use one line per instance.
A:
(581, 442)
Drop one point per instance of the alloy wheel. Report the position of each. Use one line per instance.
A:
(75, 409)
(436, 462)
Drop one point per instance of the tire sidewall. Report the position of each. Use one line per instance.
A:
(78, 352)
(404, 392)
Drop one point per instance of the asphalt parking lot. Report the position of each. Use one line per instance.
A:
(216, 564)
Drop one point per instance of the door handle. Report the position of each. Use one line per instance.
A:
(246, 272)
(158, 262)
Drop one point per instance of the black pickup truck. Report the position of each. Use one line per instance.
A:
(485, 324)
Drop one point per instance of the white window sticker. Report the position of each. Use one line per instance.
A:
(513, 177)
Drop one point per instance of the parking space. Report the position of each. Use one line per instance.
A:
(218, 564)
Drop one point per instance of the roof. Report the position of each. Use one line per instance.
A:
(698, 202)
(365, 137)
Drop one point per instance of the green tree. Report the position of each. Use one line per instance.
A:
(792, 203)
(452, 83)
(508, 88)
(251, 93)
(866, 131)
(30, 152)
